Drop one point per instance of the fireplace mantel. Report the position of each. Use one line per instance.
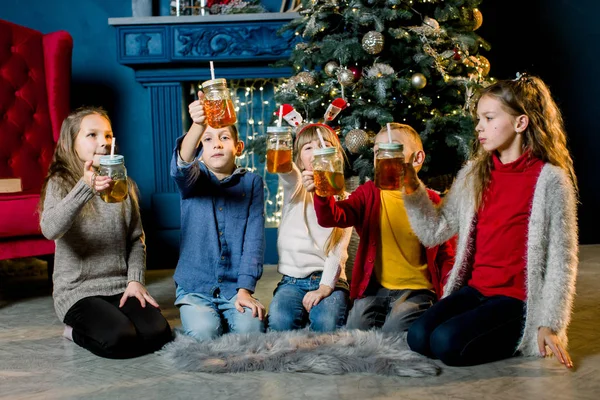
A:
(166, 53)
(163, 49)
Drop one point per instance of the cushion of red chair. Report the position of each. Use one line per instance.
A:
(26, 246)
(19, 215)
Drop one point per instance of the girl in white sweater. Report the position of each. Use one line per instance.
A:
(313, 289)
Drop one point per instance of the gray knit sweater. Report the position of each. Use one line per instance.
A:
(551, 246)
(97, 252)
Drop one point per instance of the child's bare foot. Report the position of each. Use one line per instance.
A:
(68, 332)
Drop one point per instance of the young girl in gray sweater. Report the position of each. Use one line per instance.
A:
(100, 257)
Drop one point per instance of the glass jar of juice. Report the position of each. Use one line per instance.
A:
(114, 166)
(389, 166)
(217, 104)
(328, 169)
(279, 149)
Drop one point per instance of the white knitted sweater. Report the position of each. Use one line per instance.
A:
(301, 239)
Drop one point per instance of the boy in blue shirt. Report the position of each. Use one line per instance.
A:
(222, 232)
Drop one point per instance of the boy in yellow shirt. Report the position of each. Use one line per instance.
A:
(395, 278)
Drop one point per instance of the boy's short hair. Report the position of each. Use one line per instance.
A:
(408, 130)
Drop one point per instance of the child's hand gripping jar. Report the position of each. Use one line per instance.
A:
(217, 104)
(389, 166)
(114, 166)
(328, 169)
(279, 149)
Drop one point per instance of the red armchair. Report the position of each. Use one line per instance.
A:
(35, 75)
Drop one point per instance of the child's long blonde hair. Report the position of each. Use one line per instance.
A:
(66, 164)
(545, 135)
(307, 135)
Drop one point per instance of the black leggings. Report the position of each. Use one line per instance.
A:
(106, 330)
(467, 328)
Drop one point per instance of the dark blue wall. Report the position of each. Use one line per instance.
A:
(557, 40)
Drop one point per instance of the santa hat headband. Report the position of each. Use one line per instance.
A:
(293, 117)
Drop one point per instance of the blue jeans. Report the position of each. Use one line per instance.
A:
(467, 328)
(391, 310)
(204, 317)
(286, 311)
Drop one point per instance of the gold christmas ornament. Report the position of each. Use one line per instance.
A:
(356, 140)
(373, 42)
(418, 81)
(345, 76)
(330, 68)
(471, 61)
(432, 23)
(484, 65)
(478, 19)
(306, 78)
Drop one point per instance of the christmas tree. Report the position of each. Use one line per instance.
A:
(410, 61)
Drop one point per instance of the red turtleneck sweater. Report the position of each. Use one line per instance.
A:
(501, 232)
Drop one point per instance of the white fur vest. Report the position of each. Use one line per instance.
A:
(552, 246)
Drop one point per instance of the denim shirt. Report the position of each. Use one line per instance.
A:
(222, 230)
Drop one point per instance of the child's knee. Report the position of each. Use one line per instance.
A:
(324, 323)
(200, 326)
(396, 323)
(445, 346)
(403, 316)
(328, 315)
(279, 320)
(359, 319)
(246, 323)
(120, 339)
(202, 333)
(161, 334)
(418, 339)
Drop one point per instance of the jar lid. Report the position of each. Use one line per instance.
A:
(212, 82)
(278, 129)
(324, 151)
(390, 146)
(112, 160)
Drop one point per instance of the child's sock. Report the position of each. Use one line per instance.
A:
(68, 332)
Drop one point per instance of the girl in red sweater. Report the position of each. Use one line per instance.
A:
(514, 208)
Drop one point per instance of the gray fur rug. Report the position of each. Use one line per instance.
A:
(342, 352)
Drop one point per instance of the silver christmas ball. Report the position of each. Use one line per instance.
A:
(432, 23)
(306, 78)
(356, 140)
(345, 77)
(373, 42)
(418, 81)
(330, 68)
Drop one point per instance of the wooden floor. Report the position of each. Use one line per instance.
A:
(36, 363)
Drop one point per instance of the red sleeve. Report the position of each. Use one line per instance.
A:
(342, 213)
(445, 260)
(446, 251)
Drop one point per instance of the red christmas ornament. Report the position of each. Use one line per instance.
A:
(456, 55)
(356, 71)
